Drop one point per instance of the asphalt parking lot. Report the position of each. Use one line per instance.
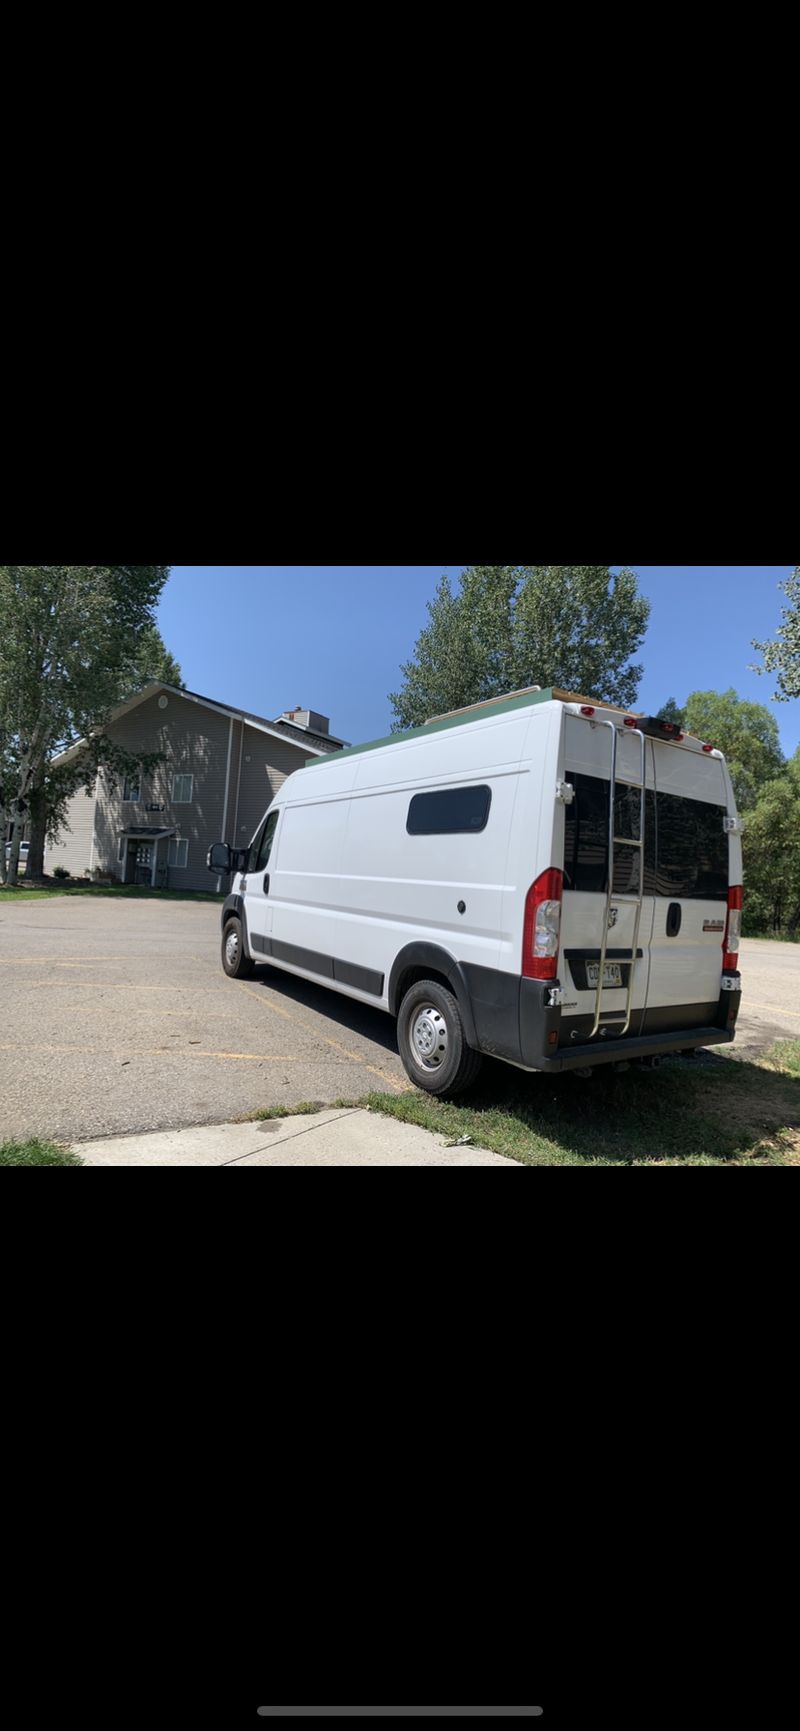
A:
(117, 1017)
(770, 995)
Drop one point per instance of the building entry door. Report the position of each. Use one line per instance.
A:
(138, 865)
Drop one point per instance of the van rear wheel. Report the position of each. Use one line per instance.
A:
(433, 1046)
(236, 964)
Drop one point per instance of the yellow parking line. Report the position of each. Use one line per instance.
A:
(95, 985)
(241, 1057)
(156, 1052)
(750, 1004)
(399, 1087)
(48, 961)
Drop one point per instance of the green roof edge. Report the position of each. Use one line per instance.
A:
(449, 721)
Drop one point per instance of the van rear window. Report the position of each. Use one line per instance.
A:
(692, 849)
(449, 811)
(685, 851)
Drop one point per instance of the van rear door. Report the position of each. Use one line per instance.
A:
(691, 887)
(587, 768)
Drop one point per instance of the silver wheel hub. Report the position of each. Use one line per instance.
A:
(232, 948)
(429, 1038)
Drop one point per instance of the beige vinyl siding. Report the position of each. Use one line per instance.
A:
(195, 742)
(270, 762)
(74, 847)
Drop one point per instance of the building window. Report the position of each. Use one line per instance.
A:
(182, 789)
(132, 789)
(121, 849)
(178, 853)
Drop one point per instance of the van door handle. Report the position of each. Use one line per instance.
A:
(674, 913)
(266, 883)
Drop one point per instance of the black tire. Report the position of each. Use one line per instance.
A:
(236, 964)
(433, 1046)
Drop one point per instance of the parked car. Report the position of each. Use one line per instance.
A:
(459, 878)
(23, 854)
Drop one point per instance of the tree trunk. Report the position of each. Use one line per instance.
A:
(38, 821)
(3, 828)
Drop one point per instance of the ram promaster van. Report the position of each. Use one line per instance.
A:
(458, 876)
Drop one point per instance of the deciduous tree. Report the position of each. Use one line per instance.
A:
(771, 847)
(746, 732)
(510, 626)
(782, 655)
(67, 635)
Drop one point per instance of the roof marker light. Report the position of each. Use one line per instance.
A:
(586, 709)
(629, 721)
(709, 748)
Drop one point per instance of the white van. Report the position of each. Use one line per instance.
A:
(457, 876)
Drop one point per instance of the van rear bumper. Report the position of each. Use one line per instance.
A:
(512, 1018)
(537, 1021)
(644, 1046)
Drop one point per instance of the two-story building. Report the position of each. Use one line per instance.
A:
(220, 770)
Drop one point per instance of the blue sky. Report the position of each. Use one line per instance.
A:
(332, 637)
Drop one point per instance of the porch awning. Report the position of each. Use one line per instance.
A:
(144, 834)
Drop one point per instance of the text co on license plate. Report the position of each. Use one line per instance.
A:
(612, 973)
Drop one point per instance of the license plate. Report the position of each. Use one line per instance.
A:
(612, 973)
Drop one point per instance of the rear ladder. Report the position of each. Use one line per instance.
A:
(613, 1020)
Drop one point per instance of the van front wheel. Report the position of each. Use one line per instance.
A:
(433, 1046)
(236, 964)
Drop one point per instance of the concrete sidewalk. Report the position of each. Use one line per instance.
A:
(349, 1137)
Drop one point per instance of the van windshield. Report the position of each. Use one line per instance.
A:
(685, 851)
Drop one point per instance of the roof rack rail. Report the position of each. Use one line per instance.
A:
(486, 703)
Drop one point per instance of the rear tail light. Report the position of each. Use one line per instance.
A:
(733, 930)
(542, 928)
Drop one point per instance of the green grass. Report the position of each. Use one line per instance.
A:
(722, 1112)
(134, 891)
(36, 1153)
(718, 1111)
(305, 1107)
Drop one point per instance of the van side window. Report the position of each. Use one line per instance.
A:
(254, 847)
(449, 811)
(265, 845)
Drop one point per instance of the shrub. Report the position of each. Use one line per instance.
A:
(60, 872)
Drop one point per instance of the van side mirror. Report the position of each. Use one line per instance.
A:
(218, 858)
